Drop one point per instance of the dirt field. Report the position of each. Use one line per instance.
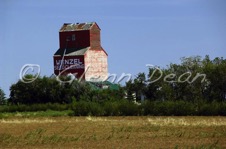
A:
(113, 132)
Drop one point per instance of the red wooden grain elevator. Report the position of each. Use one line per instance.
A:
(80, 52)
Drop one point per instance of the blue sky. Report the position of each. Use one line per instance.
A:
(134, 33)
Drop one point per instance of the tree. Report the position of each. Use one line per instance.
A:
(215, 70)
(136, 86)
(130, 89)
(42, 90)
(2, 97)
(187, 85)
(154, 84)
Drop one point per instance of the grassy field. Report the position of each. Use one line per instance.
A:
(113, 132)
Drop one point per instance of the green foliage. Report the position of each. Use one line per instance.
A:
(124, 108)
(34, 107)
(84, 108)
(212, 109)
(42, 90)
(108, 108)
(128, 108)
(196, 86)
(111, 108)
(137, 86)
(2, 97)
(192, 80)
(216, 80)
(49, 90)
(183, 108)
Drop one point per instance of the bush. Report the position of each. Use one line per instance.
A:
(212, 109)
(108, 108)
(128, 108)
(85, 108)
(34, 107)
(222, 109)
(2, 97)
(168, 108)
(181, 108)
(111, 108)
(148, 108)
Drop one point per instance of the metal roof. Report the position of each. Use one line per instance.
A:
(71, 52)
(100, 85)
(76, 26)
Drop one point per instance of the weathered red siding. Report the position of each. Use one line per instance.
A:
(85, 52)
(69, 61)
(95, 37)
(82, 39)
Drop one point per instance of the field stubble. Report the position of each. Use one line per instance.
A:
(113, 132)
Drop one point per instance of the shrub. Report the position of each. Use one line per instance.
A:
(181, 108)
(148, 108)
(128, 108)
(222, 109)
(111, 108)
(214, 108)
(125, 108)
(168, 108)
(84, 108)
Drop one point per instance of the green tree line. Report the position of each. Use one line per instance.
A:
(194, 87)
(194, 79)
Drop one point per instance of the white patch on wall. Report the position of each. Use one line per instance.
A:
(96, 60)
